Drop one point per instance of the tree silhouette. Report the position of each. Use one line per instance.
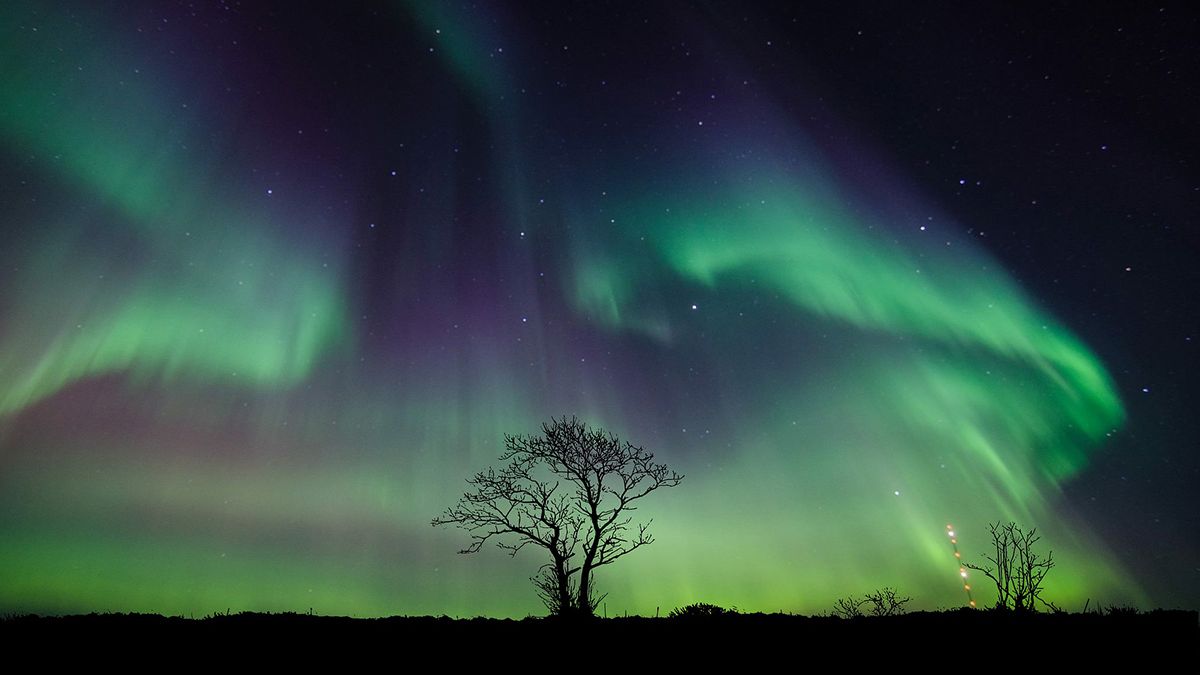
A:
(1016, 569)
(885, 601)
(568, 491)
(848, 607)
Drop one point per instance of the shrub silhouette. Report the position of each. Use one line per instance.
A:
(882, 602)
(886, 602)
(1017, 570)
(700, 609)
(848, 607)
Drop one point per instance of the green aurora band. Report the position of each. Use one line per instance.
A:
(262, 313)
(190, 421)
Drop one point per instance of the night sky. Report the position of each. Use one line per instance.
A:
(274, 282)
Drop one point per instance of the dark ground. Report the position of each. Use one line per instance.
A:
(956, 634)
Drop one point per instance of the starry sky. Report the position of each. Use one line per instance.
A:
(274, 282)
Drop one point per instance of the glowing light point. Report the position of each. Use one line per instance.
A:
(962, 570)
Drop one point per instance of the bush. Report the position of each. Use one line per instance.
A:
(700, 609)
(1016, 568)
(848, 608)
(886, 602)
(883, 602)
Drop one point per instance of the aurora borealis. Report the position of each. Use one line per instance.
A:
(276, 281)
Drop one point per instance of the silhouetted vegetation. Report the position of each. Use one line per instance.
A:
(886, 602)
(1016, 568)
(568, 492)
(848, 607)
(882, 602)
(1111, 610)
(700, 609)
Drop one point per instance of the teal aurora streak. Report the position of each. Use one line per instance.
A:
(192, 419)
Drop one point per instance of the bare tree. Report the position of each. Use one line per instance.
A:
(1016, 569)
(848, 607)
(569, 491)
(883, 602)
(886, 602)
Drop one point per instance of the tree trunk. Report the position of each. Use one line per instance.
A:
(564, 589)
(585, 574)
(585, 587)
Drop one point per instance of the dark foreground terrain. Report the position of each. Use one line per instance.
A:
(954, 634)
